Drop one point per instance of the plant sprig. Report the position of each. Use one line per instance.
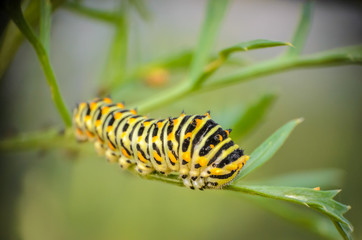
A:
(16, 14)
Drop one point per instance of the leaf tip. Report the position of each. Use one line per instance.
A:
(299, 120)
(290, 44)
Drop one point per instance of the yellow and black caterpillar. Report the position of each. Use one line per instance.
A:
(192, 145)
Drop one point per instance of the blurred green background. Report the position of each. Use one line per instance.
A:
(58, 194)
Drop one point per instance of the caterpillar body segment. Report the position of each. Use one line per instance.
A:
(194, 146)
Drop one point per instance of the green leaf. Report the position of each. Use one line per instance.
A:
(250, 45)
(45, 23)
(214, 15)
(252, 116)
(321, 201)
(316, 178)
(268, 148)
(301, 34)
(308, 220)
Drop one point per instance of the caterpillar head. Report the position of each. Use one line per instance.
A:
(224, 170)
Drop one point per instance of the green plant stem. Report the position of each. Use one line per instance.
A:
(12, 37)
(329, 58)
(46, 139)
(171, 95)
(18, 18)
(335, 57)
(106, 16)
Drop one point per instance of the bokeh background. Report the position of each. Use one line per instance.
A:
(57, 194)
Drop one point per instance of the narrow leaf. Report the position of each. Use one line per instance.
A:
(45, 23)
(250, 45)
(310, 221)
(268, 148)
(316, 178)
(224, 54)
(321, 201)
(214, 15)
(301, 34)
(252, 116)
(16, 14)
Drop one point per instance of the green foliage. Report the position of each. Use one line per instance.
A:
(15, 13)
(268, 148)
(252, 116)
(201, 68)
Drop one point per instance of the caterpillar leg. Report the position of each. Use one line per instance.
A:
(199, 183)
(143, 170)
(124, 162)
(111, 156)
(187, 183)
(99, 148)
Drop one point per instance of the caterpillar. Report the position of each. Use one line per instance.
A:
(194, 146)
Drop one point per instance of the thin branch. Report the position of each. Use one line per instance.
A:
(18, 18)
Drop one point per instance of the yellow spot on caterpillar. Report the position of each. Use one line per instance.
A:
(156, 156)
(109, 128)
(232, 167)
(93, 105)
(111, 146)
(117, 115)
(146, 124)
(186, 156)
(317, 188)
(131, 120)
(140, 157)
(171, 157)
(139, 139)
(198, 122)
(159, 124)
(125, 153)
(154, 139)
(212, 146)
(227, 132)
(202, 161)
(175, 121)
(182, 115)
(123, 135)
(87, 118)
(107, 100)
(170, 136)
(120, 105)
(188, 135)
(98, 123)
(82, 105)
(105, 110)
(207, 115)
(133, 111)
(216, 171)
(246, 158)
